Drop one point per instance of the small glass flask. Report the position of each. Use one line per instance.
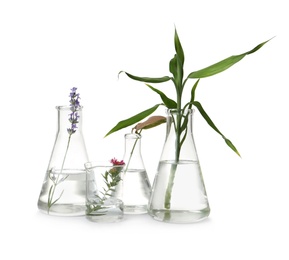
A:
(104, 191)
(63, 190)
(136, 184)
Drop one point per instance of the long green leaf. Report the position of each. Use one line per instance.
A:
(173, 66)
(133, 120)
(211, 124)
(169, 103)
(147, 79)
(223, 65)
(177, 64)
(193, 91)
(176, 68)
(179, 48)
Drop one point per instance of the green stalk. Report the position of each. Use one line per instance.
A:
(177, 124)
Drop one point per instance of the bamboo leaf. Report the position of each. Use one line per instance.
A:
(169, 103)
(176, 68)
(147, 79)
(211, 124)
(205, 116)
(230, 144)
(193, 92)
(133, 120)
(180, 74)
(223, 65)
(178, 48)
(177, 63)
(173, 66)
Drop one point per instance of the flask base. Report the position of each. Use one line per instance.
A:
(179, 216)
(71, 210)
(135, 209)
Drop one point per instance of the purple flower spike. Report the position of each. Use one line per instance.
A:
(74, 107)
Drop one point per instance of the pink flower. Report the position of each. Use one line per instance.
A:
(116, 162)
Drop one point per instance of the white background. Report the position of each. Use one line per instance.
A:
(48, 47)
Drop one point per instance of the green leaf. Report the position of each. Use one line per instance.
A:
(223, 65)
(210, 122)
(177, 64)
(179, 48)
(193, 91)
(147, 79)
(173, 66)
(169, 103)
(133, 120)
(230, 144)
(177, 70)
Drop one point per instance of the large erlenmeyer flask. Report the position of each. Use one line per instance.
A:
(64, 187)
(178, 192)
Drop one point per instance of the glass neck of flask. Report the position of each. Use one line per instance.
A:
(132, 144)
(69, 121)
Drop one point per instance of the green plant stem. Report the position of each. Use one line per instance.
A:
(169, 189)
(53, 187)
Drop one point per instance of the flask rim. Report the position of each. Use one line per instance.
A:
(101, 164)
(170, 111)
(65, 107)
(132, 136)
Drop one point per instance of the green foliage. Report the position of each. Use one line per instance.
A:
(133, 120)
(176, 68)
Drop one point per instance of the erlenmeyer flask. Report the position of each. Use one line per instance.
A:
(136, 184)
(63, 190)
(178, 192)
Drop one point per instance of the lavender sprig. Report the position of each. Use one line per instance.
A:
(74, 107)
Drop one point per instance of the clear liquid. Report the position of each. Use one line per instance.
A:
(136, 191)
(188, 201)
(70, 189)
(109, 210)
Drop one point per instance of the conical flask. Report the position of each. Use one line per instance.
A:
(178, 192)
(63, 190)
(136, 184)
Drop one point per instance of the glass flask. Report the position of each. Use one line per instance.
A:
(178, 192)
(136, 184)
(63, 190)
(104, 192)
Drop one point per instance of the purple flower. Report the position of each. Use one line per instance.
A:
(74, 107)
